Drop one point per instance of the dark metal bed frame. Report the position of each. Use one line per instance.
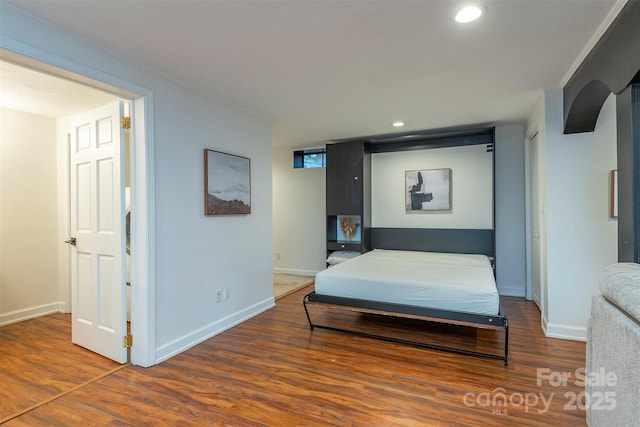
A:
(429, 240)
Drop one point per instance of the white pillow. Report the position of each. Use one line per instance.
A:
(338, 256)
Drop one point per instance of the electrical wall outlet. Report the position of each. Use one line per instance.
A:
(227, 294)
(219, 295)
(277, 255)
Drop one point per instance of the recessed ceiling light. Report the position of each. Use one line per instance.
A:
(468, 14)
(398, 124)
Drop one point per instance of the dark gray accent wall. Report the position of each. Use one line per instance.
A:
(610, 67)
(628, 129)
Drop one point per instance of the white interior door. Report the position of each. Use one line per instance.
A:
(536, 214)
(97, 223)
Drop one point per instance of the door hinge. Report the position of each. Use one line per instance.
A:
(125, 122)
(127, 341)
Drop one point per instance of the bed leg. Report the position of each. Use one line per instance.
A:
(304, 304)
(506, 341)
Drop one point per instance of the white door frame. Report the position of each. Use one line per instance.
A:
(530, 205)
(527, 214)
(142, 181)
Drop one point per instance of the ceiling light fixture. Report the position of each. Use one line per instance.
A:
(468, 14)
(398, 124)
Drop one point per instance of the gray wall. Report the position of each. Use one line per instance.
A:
(510, 210)
(299, 236)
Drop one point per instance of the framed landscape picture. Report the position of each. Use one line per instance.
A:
(427, 190)
(227, 184)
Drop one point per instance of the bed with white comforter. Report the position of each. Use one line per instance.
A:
(442, 287)
(457, 282)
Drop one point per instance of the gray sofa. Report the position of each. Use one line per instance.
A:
(613, 349)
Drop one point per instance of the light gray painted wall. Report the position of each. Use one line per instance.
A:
(581, 238)
(471, 190)
(510, 214)
(299, 207)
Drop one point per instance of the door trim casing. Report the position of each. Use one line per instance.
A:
(142, 179)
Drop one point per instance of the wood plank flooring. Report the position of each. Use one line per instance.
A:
(39, 361)
(273, 371)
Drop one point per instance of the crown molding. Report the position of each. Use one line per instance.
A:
(604, 26)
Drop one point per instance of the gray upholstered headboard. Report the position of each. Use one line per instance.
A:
(447, 240)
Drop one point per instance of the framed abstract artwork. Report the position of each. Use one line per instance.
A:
(427, 190)
(227, 184)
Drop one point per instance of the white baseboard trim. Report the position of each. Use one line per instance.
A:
(196, 337)
(564, 332)
(295, 272)
(31, 313)
(511, 291)
(536, 299)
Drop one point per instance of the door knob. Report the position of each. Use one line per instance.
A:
(71, 241)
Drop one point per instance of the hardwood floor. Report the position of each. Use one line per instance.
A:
(272, 370)
(38, 361)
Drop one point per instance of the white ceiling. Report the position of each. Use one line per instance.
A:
(26, 90)
(324, 69)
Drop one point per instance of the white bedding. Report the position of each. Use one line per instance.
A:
(456, 282)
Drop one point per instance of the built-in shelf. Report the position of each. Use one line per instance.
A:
(335, 233)
(348, 187)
